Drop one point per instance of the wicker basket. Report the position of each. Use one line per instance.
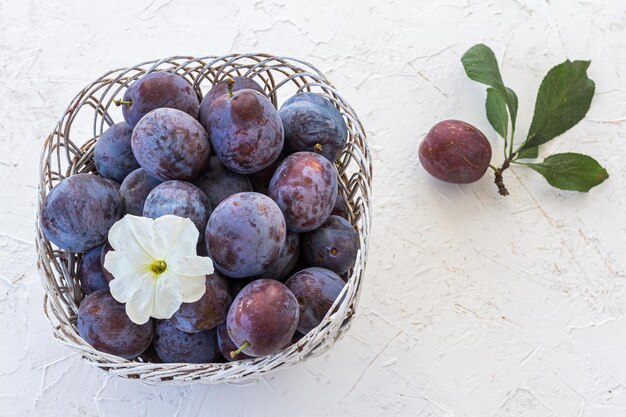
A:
(68, 150)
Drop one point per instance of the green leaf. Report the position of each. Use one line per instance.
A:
(496, 112)
(528, 153)
(481, 65)
(571, 171)
(562, 101)
(512, 104)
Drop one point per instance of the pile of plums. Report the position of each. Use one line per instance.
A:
(260, 186)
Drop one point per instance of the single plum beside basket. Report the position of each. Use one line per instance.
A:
(69, 151)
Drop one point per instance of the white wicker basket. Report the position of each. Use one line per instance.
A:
(68, 150)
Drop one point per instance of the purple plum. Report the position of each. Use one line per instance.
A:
(103, 323)
(333, 245)
(340, 209)
(313, 123)
(171, 145)
(245, 131)
(209, 311)
(286, 260)
(175, 346)
(315, 289)
(263, 318)
(78, 212)
(181, 199)
(305, 188)
(90, 273)
(158, 90)
(135, 189)
(218, 182)
(220, 89)
(113, 153)
(245, 234)
(456, 152)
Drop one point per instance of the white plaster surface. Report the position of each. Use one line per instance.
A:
(473, 305)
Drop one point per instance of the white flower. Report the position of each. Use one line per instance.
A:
(155, 265)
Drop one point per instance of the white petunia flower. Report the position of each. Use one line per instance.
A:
(155, 265)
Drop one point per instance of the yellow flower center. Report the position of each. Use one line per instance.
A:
(158, 267)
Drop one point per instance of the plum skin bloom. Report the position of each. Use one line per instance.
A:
(155, 265)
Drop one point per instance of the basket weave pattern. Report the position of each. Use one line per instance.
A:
(66, 153)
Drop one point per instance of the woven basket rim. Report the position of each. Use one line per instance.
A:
(57, 267)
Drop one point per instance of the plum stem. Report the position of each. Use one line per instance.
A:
(498, 176)
(234, 353)
(121, 102)
(229, 86)
(318, 148)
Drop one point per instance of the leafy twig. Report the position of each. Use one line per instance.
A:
(563, 100)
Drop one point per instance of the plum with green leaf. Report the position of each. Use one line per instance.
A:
(563, 100)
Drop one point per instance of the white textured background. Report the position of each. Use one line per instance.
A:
(473, 304)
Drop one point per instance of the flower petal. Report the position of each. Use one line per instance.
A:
(190, 265)
(124, 289)
(167, 296)
(133, 234)
(175, 236)
(122, 263)
(192, 288)
(141, 306)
